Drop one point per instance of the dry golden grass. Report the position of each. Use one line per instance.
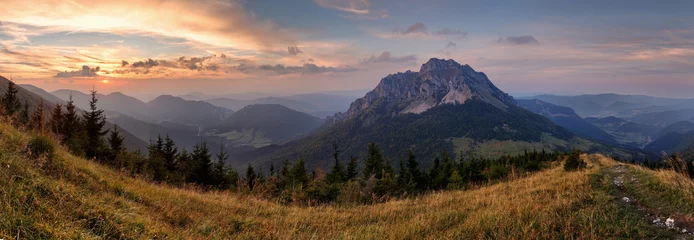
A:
(75, 198)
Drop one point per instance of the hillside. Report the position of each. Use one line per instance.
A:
(28, 95)
(263, 124)
(610, 104)
(626, 132)
(567, 118)
(70, 197)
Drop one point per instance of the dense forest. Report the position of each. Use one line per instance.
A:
(349, 180)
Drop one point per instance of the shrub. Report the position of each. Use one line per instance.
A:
(574, 161)
(41, 146)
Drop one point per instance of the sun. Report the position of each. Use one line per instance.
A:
(105, 81)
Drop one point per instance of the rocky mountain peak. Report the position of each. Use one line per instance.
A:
(438, 82)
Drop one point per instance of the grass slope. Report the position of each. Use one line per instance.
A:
(72, 198)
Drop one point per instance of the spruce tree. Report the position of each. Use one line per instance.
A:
(24, 117)
(71, 123)
(298, 173)
(55, 122)
(414, 175)
(169, 152)
(156, 163)
(250, 177)
(94, 121)
(220, 172)
(185, 166)
(202, 173)
(351, 168)
(337, 175)
(374, 162)
(455, 181)
(10, 99)
(38, 118)
(115, 141)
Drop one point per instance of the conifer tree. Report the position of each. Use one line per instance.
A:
(220, 171)
(185, 165)
(24, 117)
(337, 175)
(156, 160)
(10, 100)
(298, 173)
(250, 177)
(169, 152)
(38, 118)
(71, 123)
(202, 173)
(94, 121)
(414, 175)
(351, 168)
(55, 122)
(455, 181)
(374, 162)
(115, 141)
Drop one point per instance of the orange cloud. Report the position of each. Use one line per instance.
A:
(217, 23)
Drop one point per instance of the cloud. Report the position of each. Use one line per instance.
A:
(308, 68)
(86, 71)
(420, 30)
(417, 28)
(217, 23)
(360, 9)
(220, 66)
(460, 34)
(293, 50)
(386, 57)
(518, 40)
(451, 45)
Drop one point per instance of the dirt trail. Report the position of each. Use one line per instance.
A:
(680, 224)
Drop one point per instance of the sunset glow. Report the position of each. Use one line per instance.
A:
(254, 46)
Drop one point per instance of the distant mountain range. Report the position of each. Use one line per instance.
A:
(443, 106)
(603, 105)
(33, 95)
(163, 108)
(264, 124)
(567, 118)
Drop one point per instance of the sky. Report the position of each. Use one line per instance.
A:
(147, 48)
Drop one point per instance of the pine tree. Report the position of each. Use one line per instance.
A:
(272, 170)
(455, 181)
(337, 175)
(169, 152)
(374, 162)
(10, 100)
(156, 163)
(115, 141)
(185, 166)
(414, 175)
(71, 123)
(202, 173)
(38, 119)
(220, 171)
(94, 121)
(351, 168)
(55, 123)
(24, 117)
(298, 173)
(250, 177)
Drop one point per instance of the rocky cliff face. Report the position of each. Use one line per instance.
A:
(437, 82)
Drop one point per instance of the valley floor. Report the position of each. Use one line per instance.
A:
(71, 198)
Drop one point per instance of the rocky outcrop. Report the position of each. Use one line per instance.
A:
(437, 82)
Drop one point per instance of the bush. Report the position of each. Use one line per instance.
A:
(574, 161)
(41, 146)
